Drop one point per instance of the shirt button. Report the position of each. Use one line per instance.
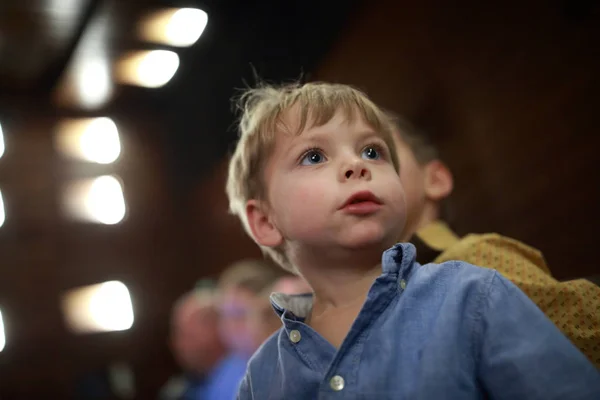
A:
(403, 284)
(337, 383)
(295, 336)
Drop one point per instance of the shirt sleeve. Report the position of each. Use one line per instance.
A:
(245, 389)
(522, 355)
(572, 306)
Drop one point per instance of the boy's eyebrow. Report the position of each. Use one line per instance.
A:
(322, 138)
(301, 141)
(370, 133)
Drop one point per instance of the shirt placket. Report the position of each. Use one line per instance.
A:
(341, 379)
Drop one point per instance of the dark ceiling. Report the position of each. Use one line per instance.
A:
(37, 38)
(279, 40)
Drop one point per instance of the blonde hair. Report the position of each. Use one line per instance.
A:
(263, 111)
(251, 274)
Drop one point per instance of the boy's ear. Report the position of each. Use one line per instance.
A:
(438, 180)
(265, 233)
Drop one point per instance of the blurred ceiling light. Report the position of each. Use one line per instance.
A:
(1, 142)
(104, 307)
(150, 69)
(2, 213)
(87, 80)
(62, 16)
(89, 139)
(93, 81)
(2, 335)
(180, 27)
(99, 200)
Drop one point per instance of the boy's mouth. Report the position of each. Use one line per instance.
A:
(362, 202)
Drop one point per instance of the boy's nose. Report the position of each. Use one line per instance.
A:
(355, 170)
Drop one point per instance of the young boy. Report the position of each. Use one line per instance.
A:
(314, 179)
(573, 305)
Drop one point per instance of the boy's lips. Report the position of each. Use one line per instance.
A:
(363, 202)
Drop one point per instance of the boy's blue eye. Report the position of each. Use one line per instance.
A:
(371, 153)
(312, 157)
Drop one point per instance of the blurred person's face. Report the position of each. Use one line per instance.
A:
(195, 339)
(263, 322)
(292, 285)
(236, 309)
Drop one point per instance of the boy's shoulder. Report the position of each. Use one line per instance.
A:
(453, 271)
(432, 280)
(465, 283)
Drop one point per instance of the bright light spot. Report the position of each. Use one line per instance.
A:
(157, 68)
(93, 81)
(185, 26)
(2, 335)
(90, 139)
(104, 307)
(2, 212)
(181, 27)
(87, 81)
(105, 200)
(1, 142)
(151, 69)
(100, 141)
(98, 200)
(110, 307)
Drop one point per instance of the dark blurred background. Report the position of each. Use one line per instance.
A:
(509, 91)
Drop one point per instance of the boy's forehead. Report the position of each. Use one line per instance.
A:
(292, 123)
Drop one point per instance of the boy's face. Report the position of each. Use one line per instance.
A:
(334, 187)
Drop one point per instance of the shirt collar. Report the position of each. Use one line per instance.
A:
(398, 260)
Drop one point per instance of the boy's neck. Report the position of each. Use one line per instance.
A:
(344, 289)
(339, 282)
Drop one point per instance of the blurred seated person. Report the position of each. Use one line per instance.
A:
(210, 372)
(242, 286)
(291, 284)
(264, 321)
(573, 306)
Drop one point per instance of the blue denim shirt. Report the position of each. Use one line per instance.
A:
(437, 331)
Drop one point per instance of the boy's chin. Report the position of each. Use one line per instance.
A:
(377, 241)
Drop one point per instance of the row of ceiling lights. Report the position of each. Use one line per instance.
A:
(94, 75)
(107, 306)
